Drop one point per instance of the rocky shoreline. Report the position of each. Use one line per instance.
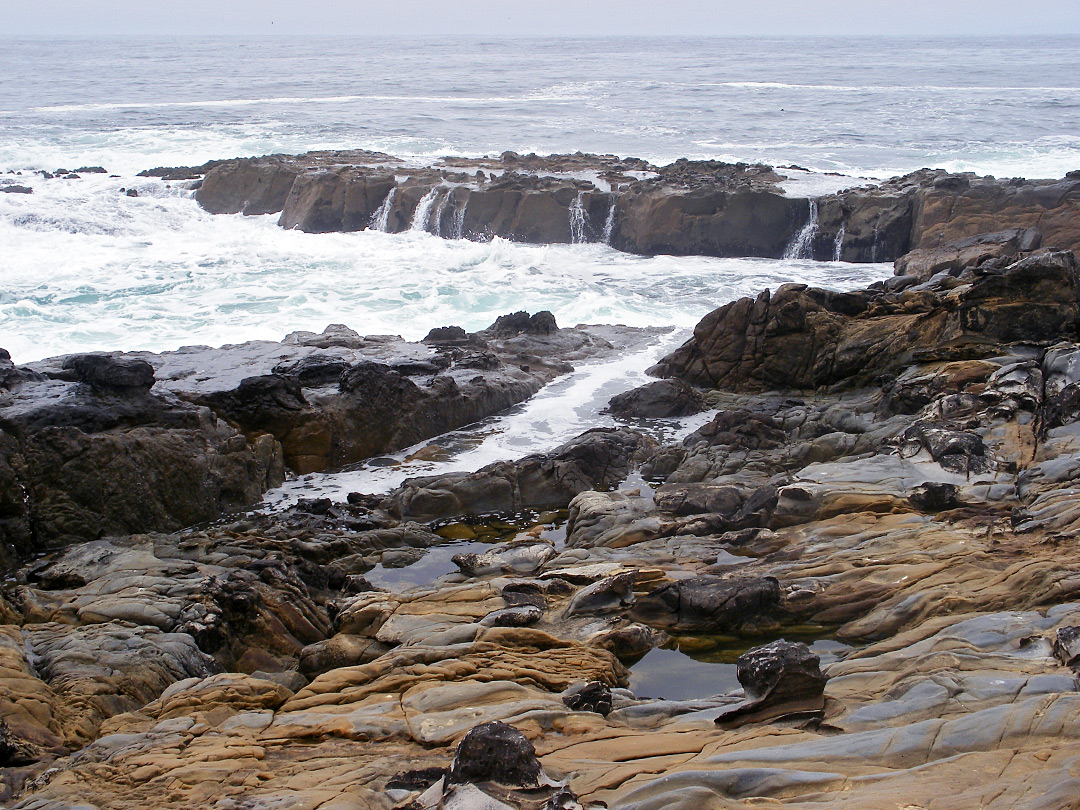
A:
(686, 208)
(875, 528)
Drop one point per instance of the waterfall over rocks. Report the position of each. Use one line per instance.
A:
(838, 244)
(423, 210)
(577, 219)
(609, 223)
(459, 220)
(380, 220)
(802, 245)
(439, 212)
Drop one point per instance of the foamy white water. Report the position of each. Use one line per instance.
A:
(86, 267)
(562, 410)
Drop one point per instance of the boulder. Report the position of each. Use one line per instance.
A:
(658, 400)
(597, 459)
(595, 696)
(780, 679)
(495, 752)
(711, 604)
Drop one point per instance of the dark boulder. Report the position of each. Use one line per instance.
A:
(1067, 646)
(658, 400)
(597, 459)
(594, 697)
(780, 679)
(711, 603)
(109, 372)
(521, 322)
(495, 752)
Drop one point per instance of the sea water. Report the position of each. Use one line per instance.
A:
(84, 266)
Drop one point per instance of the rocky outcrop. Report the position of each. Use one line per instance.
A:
(599, 458)
(92, 450)
(116, 444)
(910, 535)
(686, 208)
(802, 337)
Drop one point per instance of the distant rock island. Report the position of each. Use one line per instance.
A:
(686, 208)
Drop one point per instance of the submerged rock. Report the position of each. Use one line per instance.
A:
(711, 604)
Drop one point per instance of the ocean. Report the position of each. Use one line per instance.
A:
(84, 266)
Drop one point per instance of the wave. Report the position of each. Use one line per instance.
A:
(885, 88)
(249, 102)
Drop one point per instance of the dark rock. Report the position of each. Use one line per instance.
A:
(420, 779)
(314, 370)
(1067, 646)
(91, 170)
(597, 459)
(516, 616)
(660, 399)
(742, 429)
(14, 751)
(106, 371)
(955, 450)
(934, 497)
(710, 603)
(495, 752)
(696, 499)
(594, 697)
(131, 192)
(806, 338)
(16, 189)
(972, 252)
(780, 679)
(516, 323)
(446, 334)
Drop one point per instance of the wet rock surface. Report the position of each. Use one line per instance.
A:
(946, 221)
(887, 562)
(189, 435)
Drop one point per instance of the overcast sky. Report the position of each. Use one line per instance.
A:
(539, 17)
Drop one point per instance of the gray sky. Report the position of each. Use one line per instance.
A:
(539, 17)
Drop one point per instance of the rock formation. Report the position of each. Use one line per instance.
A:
(686, 208)
(874, 528)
